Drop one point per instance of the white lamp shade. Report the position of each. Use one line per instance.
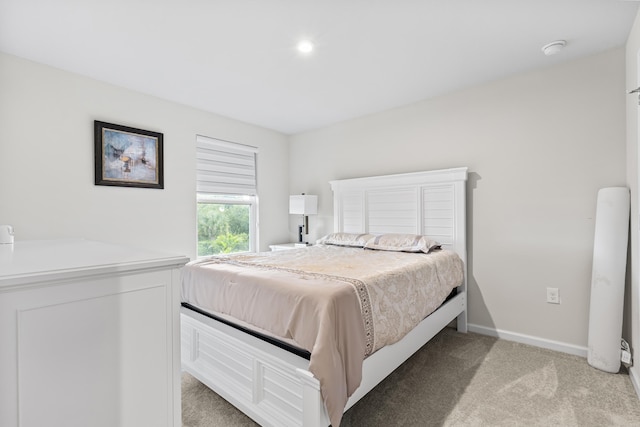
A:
(303, 204)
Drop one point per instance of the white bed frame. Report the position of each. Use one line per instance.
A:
(274, 386)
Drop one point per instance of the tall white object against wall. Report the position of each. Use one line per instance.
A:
(608, 276)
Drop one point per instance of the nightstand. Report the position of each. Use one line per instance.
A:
(287, 246)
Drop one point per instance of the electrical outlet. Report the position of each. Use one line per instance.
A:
(553, 296)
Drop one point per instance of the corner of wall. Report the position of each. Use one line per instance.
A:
(632, 81)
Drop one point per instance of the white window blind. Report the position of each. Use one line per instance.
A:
(225, 167)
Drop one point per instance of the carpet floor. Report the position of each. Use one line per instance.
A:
(467, 380)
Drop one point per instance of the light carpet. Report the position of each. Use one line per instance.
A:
(467, 380)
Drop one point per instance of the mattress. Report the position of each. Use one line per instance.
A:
(339, 303)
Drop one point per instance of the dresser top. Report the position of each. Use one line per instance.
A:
(29, 260)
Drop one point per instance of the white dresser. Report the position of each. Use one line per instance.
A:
(89, 335)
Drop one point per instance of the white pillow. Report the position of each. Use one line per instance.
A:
(345, 239)
(402, 243)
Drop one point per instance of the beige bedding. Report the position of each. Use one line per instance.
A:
(341, 304)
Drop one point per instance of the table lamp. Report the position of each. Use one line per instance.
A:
(303, 204)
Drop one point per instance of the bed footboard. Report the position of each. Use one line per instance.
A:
(273, 386)
(269, 384)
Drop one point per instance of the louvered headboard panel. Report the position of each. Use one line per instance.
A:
(432, 203)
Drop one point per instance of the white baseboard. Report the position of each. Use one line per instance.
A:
(530, 340)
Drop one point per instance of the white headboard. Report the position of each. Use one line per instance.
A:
(431, 203)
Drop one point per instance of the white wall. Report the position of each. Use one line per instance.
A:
(632, 295)
(538, 146)
(47, 158)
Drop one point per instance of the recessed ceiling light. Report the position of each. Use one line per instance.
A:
(554, 47)
(305, 46)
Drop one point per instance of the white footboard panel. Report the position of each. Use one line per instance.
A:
(274, 386)
(270, 385)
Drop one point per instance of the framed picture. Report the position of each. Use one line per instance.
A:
(127, 157)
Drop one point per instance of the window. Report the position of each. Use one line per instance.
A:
(227, 199)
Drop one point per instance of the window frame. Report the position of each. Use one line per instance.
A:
(233, 199)
(226, 173)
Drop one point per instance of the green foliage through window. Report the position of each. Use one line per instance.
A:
(223, 228)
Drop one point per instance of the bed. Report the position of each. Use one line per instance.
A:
(269, 377)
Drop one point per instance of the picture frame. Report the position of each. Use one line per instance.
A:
(128, 157)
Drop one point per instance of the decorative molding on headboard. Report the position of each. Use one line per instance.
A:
(413, 178)
(432, 203)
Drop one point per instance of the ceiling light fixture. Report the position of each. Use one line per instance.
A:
(554, 47)
(305, 46)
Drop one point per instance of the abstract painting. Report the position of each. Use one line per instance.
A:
(127, 157)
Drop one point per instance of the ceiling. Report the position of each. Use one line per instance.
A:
(237, 58)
